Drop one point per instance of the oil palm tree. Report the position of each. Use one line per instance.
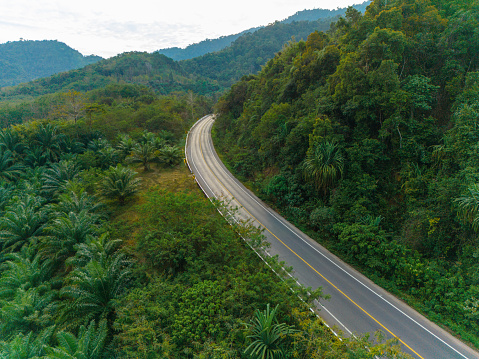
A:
(170, 155)
(324, 165)
(26, 346)
(10, 141)
(65, 232)
(22, 223)
(143, 153)
(89, 344)
(119, 183)
(58, 176)
(9, 169)
(72, 201)
(19, 271)
(49, 139)
(268, 336)
(90, 291)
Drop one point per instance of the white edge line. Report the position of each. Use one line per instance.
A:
(330, 260)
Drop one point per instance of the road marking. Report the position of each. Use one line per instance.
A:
(273, 214)
(309, 265)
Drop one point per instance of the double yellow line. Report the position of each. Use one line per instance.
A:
(309, 265)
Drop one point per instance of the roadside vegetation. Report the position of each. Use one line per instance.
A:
(365, 136)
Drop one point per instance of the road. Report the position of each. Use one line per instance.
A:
(357, 305)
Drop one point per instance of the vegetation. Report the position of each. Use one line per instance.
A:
(23, 61)
(365, 137)
(108, 250)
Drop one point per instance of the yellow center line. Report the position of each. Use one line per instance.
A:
(309, 265)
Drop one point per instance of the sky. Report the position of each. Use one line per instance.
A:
(107, 28)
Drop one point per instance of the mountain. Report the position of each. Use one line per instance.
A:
(156, 71)
(251, 51)
(23, 61)
(316, 14)
(211, 45)
(203, 47)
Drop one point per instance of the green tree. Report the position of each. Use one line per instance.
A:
(119, 183)
(170, 155)
(23, 223)
(269, 337)
(89, 344)
(324, 165)
(143, 153)
(90, 291)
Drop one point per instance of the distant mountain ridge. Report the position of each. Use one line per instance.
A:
(23, 61)
(212, 45)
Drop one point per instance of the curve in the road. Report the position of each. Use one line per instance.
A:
(215, 187)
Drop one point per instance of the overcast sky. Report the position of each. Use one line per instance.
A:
(107, 28)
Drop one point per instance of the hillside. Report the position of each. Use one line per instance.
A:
(153, 70)
(23, 61)
(251, 51)
(203, 47)
(366, 138)
(213, 45)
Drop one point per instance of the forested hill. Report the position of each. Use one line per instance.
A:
(22, 61)
(251, 51)
(367, 137)
(203, 47)
(212, 45)
(316, 14)
(156, 71)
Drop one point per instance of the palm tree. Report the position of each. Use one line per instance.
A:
(10, 141)
(20, 271)
(78, 202)
(29, 310)
(268, 336)
(324, 164)
(119, 183)
(9, 169)
(143, 153)
(170, 155)
(27, 346)
(49, 140)
(67, 231)
(468, 206)
(91, 290)
(58, 176)
(108, 156)
(89, 344)
(125, 145)
(101, 250)
(22, 223)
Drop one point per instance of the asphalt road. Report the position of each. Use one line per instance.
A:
(357, 305)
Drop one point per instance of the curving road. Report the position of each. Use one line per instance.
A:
(357, 305)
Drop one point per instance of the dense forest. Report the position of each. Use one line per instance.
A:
(365, 136)
(26, 60)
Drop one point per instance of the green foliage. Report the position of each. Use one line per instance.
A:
(89, 344)
(268, 336)
(23, 61)
(380, 115)
(119, 183)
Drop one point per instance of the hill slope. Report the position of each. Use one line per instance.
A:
(22, 61)
(212, 45)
